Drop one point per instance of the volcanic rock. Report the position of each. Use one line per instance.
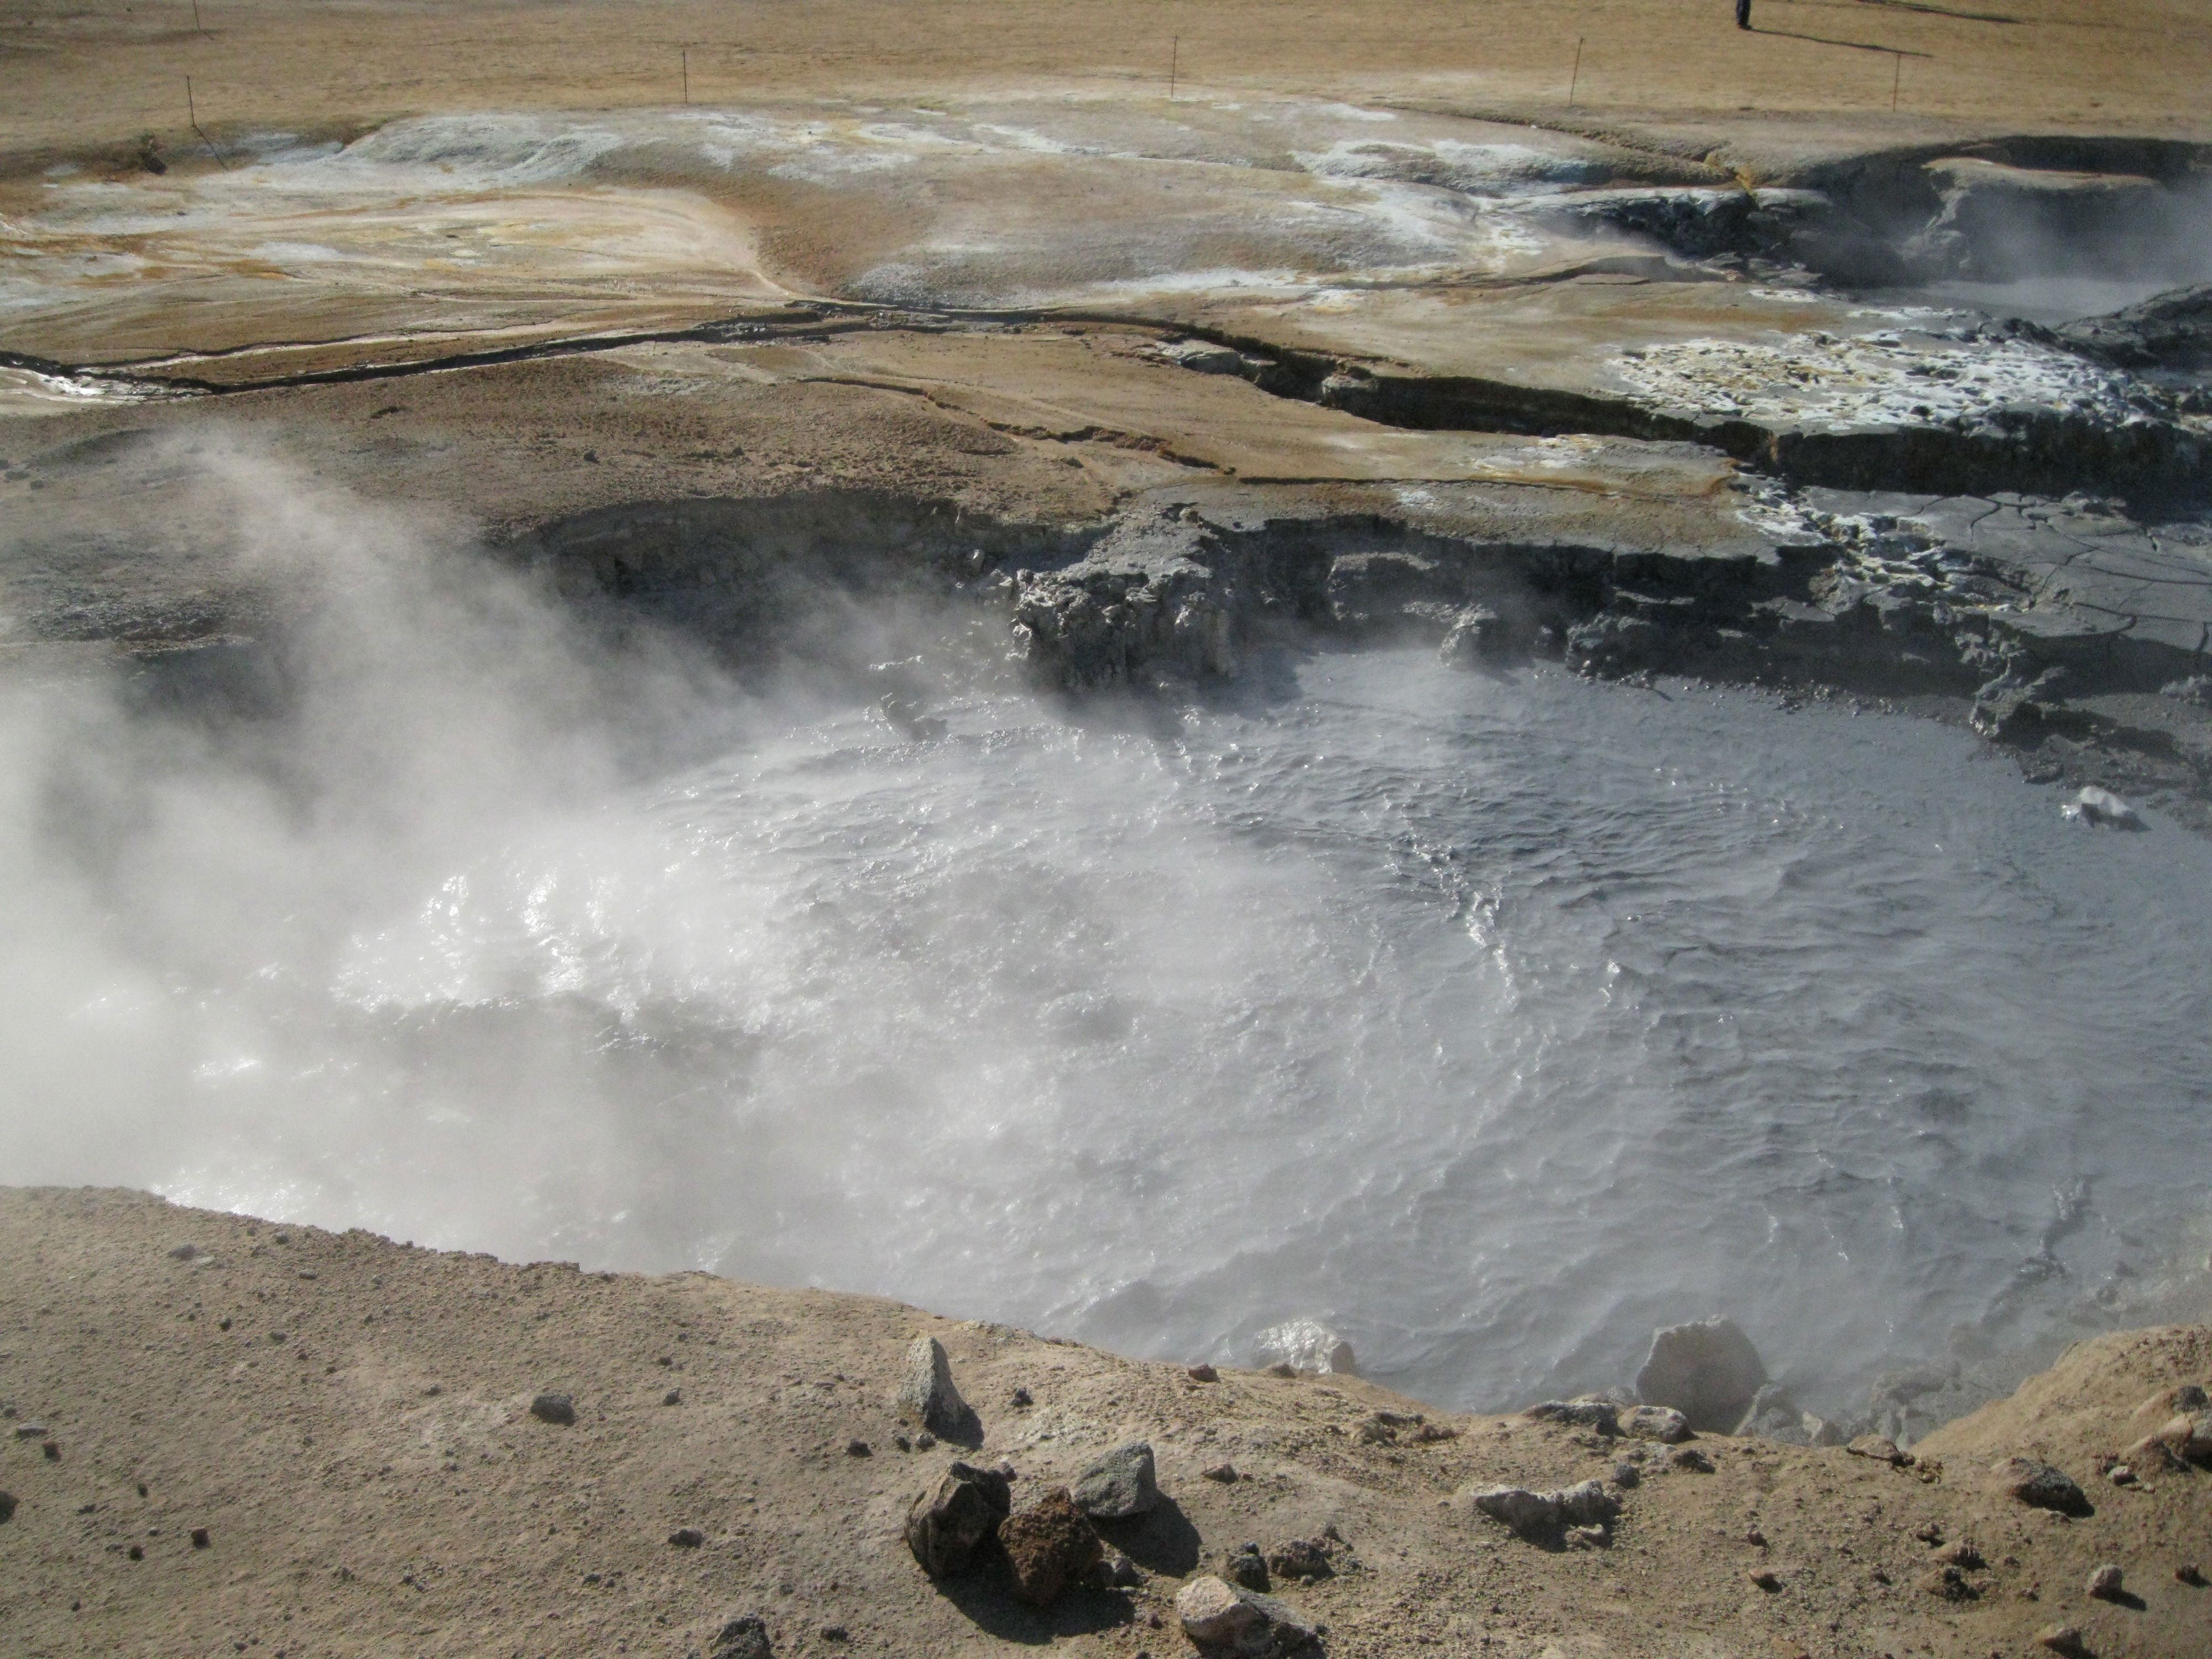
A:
(1301, 1558)
(6, 1506)
(1050, 1547)
(927, 1394)
(1221, 1619)
(1661, 1423)
(744, 1636)
(687, 1538)
(554, 1408)
(1948, 1583)
(1708, 1371)
(2172, 329)
(1881, 1449)
(1245, 1566)
(2039, 1486)
(1600, 1414)
(1541, 1514)
(944, 1527)
(1119, 1485)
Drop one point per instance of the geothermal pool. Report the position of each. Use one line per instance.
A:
(1488, 1020)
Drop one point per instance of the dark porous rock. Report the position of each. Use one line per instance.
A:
(2039, 1485)
(859, 1448)
(1203, 1374)
(928, 1395)
(1051, 1547)
(185, 1253)
(1626, 1475)
(1600, 1414)
(554, 1408)
(1708, 1371)
(1245, 1566)
(6, 1506)
(1218, 1618)
(1690, 1458)
(687, 1538)
(1119, 1485)
(744, 1636)
(200, 1539)
(946, 1527)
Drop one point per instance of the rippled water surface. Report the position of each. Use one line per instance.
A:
(1489, 1020)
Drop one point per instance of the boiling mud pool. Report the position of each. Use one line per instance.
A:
(1489, 1020)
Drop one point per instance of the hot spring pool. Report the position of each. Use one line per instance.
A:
(1490, 1021)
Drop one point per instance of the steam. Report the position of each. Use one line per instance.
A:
(1486, 1021)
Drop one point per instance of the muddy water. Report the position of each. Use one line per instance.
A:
(1489, 1020)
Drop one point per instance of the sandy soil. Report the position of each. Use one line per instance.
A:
(74, 76)
(348, 1420)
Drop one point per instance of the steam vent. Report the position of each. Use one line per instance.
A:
(988, 827)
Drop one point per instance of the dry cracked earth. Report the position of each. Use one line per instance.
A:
(277, 1440)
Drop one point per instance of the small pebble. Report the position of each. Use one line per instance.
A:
(1224, 1473)
(553, 1409)
(137, 1554)
(30, 1431)
(1755, 1538)
(673, 1397)
(2188, 1572)
(2061, 1639)
(2105, 1583)
(1021, 1397)
(835, 1633)
(687, 1538)
(924, 1440)
(1626, 1475)
(53, 1451)
(8, 1513)
(1765, 1578)
(1204, 1374)
(199, 1538)
(859, 1448)
(1689, 1457)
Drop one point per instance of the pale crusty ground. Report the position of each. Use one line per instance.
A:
(348, 1417)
